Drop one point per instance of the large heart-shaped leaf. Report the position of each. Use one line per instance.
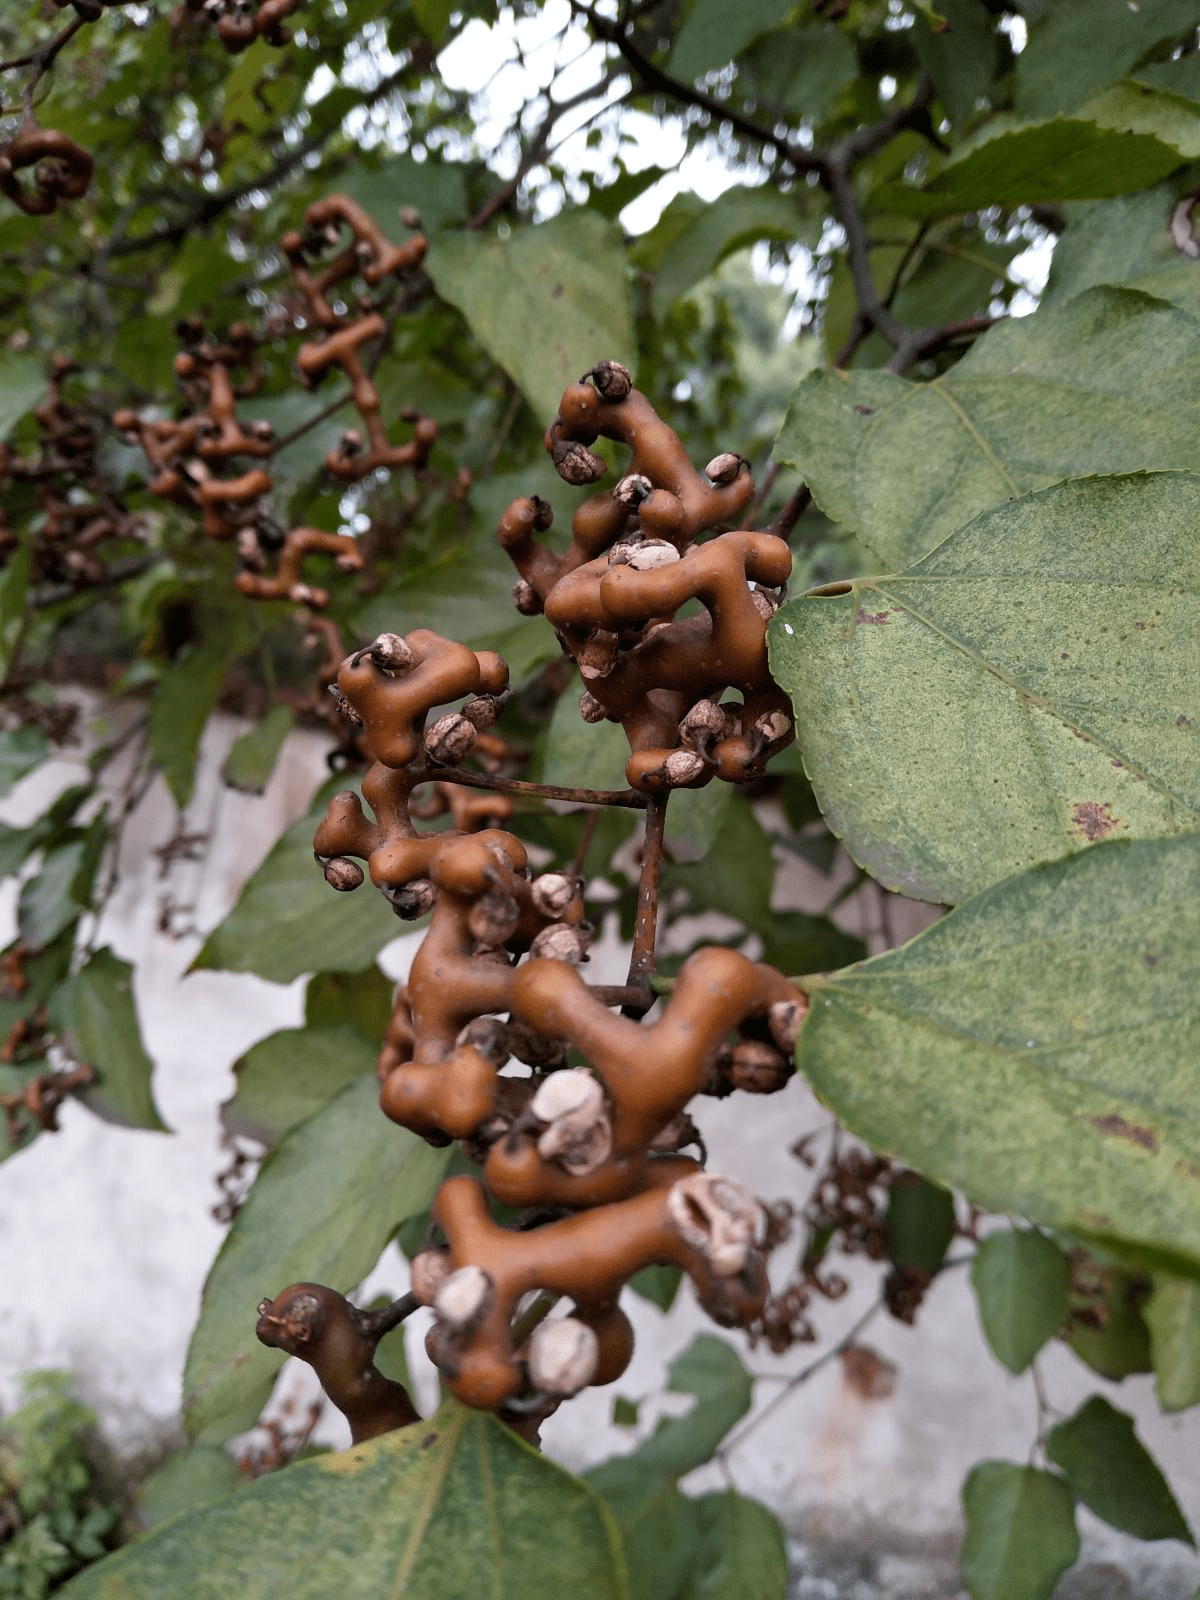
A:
(545, 303)
(1037, 1048)
(1108, 383)
(321, 1210)
(1029, 688)
(449, 1509)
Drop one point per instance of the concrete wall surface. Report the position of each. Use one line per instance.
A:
(107, 1235)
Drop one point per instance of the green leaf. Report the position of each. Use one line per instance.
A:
(49, 899)
(1136, 108)
(1020, 1279)
(737, 218)
(739, 1551)
(797, 943)
(1080, 46)
(14, 589)
(920, 1222)
(1112, 241)
(961, 59)
(1013, 163)
(465, 594)
(657, 1527)
(21, 749)
(1021, 1533)
(436, 188)
(1172, 1315)
(430, 1512)
(323, 1206)
(1120, 1345)
(736, 875)
(103, 1024)
(183, 697)
(288, 921)
(252, 757)
(1105, 384)
(658, 1284)
(711, 1370)
(1024, 691)
(714, 31)
(805, 79)
(1114, 1475)
(360, 1000)
(545, 303)
(287, 1076)
(22, 385)
(1035, 1048)
(192, 1477)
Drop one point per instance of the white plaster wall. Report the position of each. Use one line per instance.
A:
(106, 1236)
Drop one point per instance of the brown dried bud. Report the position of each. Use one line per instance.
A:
(597, 655)
(563, 1356)
(590, 708)
(533, 1048)
(552, 893)
(773, 725)
(612, 380)
(450, 738)
(703, 725)
(651, 554)
(578, 1133)
(725, 467)
(683, 767)
(489, 1036)
(758, 1068)
(410, 216)
(483, 709)
(576, 465)
(632, 490)
(765, 603)
(411, 900)
(390, 653)
(716, 1217)
(464, 1297)
(249, 551)
(344, 706)
(342, 874)
(784, 1019)
(427, 1273)
(351, 443)
(526, 599)
(493, 918)
(561, 941)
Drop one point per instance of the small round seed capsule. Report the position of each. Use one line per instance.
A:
(464, 1297)
(563, 1356)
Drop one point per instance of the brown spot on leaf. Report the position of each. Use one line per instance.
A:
(1149, 960)
(1187, 1169)
(1093, 820)
(864, 411)
(1117, 1126)
(430, 1438)
(878, 618)
(868, 1375)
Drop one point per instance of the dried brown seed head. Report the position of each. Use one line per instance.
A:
(489, 1036)
(773, 725)
(725, 467)
(632, 490)
(717, 1218)
(342, 874)
(758, 1068)
(563, 1356)
(493, 919)
(577, 465)
(427, 1273)
(552, 893)
(590, 708)
(483, 709)
(578, 1135)
(464, 1297)
(391, 653)
(765, 603)
(411, 900)
(651, 554)
(561, 941)
(450, 738)
(683, 767)
(703, 725)
(526, 599)
(612, 380)
(784, 1019)
(597, 656)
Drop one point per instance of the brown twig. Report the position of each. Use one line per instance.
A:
(629, 798)
(645, 927)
